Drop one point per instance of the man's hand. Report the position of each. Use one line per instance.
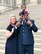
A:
(29, 22)
(18, 24)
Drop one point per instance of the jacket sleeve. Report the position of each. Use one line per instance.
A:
(34, 27)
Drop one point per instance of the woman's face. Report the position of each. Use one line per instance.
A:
(12, 19)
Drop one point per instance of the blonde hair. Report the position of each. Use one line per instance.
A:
(12, 15)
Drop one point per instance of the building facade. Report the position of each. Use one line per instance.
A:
(18, 2)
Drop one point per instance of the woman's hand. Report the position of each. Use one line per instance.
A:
(8, 33)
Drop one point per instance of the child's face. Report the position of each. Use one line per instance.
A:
(23, 7)
(13, 20)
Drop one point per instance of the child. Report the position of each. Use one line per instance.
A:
(23, 7)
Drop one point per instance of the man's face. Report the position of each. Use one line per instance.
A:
(23, 16)
(26, 16)
(23, 7)
(12, 20)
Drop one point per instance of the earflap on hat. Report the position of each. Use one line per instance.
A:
(26, 12)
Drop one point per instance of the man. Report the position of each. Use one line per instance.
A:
(25, 36)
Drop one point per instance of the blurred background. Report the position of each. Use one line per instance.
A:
(8, 7)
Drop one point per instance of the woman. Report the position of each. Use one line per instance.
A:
(11, 34)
